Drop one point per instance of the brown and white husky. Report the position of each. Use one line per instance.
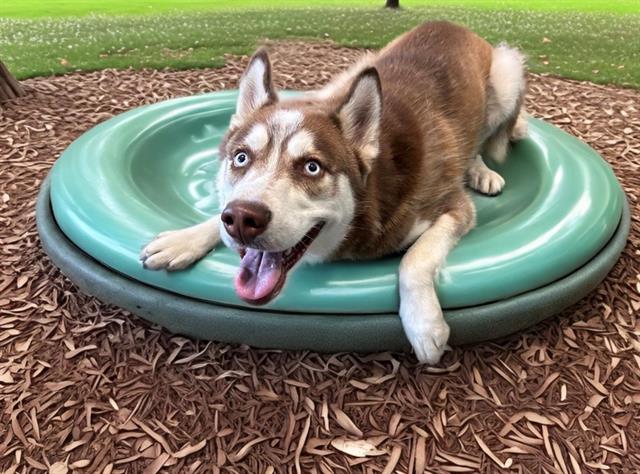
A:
(374, 163)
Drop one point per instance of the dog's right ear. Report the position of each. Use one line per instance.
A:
(256, 87)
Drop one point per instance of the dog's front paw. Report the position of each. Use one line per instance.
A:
(425, 328)
(169, 250)
(430, 341)
(177, 249)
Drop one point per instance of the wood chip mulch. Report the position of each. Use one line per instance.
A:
(87, 387)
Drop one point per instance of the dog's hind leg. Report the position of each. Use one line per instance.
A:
(515, 128)
(420, 309)
(520, 128)
(177, 249)
(505, 119)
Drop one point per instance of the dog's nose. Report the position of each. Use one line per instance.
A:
(245, 220)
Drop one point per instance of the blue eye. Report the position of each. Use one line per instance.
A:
(241, 159)
(312, 168)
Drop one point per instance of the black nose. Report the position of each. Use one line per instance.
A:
(245, 220)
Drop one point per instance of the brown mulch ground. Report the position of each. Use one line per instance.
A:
(86, 386)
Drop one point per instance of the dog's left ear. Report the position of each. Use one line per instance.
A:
(256, 87)
(360, 116)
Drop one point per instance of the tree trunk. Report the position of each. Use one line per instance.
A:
(9, 87)
(392, 4)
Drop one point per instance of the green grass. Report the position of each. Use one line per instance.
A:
(602, 46)
(57, 8)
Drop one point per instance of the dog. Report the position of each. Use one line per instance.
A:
(375, 163)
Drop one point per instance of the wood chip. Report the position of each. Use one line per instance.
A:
(394, 457)
(357, 448)
(187, 450)
(505, 465)
(59, 467)
(345, 422)
(157, 464)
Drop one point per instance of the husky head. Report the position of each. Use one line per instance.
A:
(291, 174)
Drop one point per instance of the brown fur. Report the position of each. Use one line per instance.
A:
(434, 81)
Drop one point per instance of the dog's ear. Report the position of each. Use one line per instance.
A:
(256, 87)
(360, 116)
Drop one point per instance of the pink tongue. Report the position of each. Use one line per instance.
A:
(258, 275)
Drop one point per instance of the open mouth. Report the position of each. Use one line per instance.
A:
(262, 274)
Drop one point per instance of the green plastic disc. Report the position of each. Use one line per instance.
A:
(151, 169)
(318, 332)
